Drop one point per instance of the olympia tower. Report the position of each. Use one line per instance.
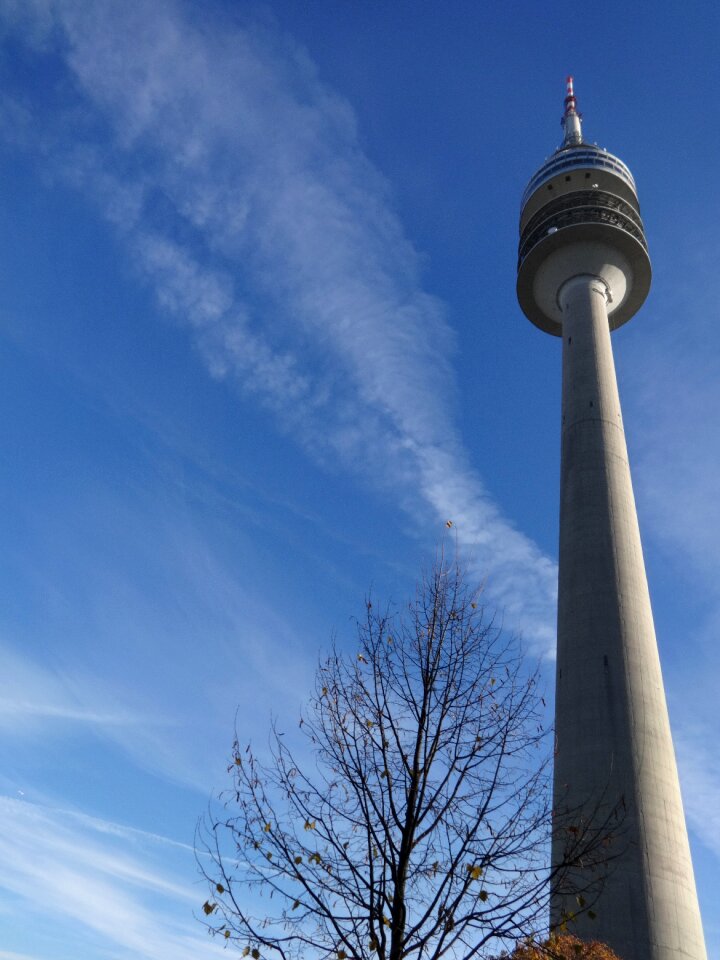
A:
(583, 270)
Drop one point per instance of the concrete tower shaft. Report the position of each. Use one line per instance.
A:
(584, 269)
(612, 727)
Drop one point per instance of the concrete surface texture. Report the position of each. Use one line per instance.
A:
(612, 729)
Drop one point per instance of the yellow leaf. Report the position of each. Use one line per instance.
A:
(246, 951)
(227, 934)
(255, 954)
(309, 824)
(220, 888)
(475, 872)
(267, 828)
(298, 859)
(208, 908)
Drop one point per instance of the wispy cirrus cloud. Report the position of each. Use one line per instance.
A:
(239, 182)
(31, 695)
(674, 395)
(5, 955)
(69, 867)
(152, 670)
(701, 783)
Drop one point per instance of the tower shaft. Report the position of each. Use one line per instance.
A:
(614, 747)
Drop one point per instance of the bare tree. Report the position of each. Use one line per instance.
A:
(422, 825)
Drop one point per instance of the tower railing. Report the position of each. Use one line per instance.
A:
(587, 206)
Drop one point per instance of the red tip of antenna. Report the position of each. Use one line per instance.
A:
(570, 102)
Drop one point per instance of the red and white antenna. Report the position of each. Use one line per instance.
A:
(570, 102)
(571, 120)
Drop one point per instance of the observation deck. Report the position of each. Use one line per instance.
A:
(580, 215)
(585, 156)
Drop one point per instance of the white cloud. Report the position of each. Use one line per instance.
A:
(679, 451)
(31, 694)
(66, 867)
(5, 955)
(156, 671)
(700, 779)
(241, 186)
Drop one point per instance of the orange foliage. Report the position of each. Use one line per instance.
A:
(565, 947)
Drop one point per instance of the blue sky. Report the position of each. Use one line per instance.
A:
(259, 342)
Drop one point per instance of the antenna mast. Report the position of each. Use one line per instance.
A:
(571, 120)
